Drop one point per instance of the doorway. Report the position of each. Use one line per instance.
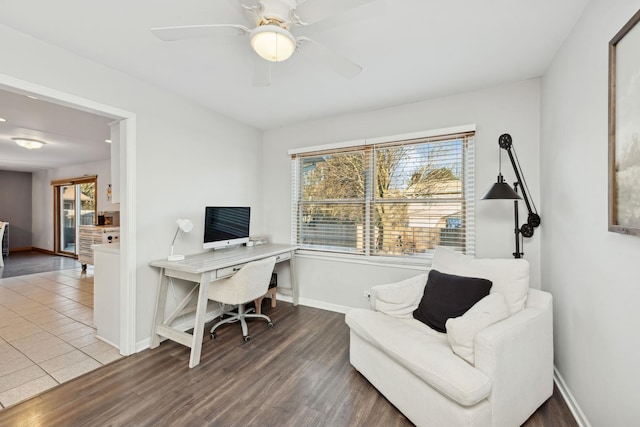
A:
(74, 205)
(125, 188)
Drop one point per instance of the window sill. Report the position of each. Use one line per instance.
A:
(409, 263)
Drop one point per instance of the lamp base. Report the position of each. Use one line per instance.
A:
(175, 257)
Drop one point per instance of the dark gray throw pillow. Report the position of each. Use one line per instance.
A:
(448, 295)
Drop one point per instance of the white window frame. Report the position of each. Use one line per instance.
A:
(408, 261)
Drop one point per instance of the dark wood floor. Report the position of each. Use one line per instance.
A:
(296, 374)
(29, 262)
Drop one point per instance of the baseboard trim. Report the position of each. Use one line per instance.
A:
(43, 251)
(183, 326)
(143, 345)
(35, 249)
(26, 249)
(579, 416)
(108, 342)
(315, 304)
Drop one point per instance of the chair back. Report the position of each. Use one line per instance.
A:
(252, 280)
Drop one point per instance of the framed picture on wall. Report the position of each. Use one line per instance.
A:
(624, 129)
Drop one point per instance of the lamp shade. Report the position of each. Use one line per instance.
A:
(273, 43)
(185, 225)
(501, 190)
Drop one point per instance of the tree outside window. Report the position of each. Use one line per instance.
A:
(392, 200)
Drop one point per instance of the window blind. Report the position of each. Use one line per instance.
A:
(393, 199)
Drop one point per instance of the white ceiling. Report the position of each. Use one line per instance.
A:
(410, 50)
(72, 136)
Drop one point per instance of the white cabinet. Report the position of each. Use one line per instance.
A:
(94, 235)
(106, 293)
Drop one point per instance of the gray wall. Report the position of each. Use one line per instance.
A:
(15, 207)
(593, 274)
(185, 157)
(513, 108)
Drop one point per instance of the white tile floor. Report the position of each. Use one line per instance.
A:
(46, 333)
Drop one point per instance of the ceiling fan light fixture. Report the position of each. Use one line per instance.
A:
(29, 144)
(273, 43)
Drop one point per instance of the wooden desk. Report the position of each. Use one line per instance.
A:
(201, 269)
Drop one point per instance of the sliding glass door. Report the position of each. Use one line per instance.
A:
(75, 205)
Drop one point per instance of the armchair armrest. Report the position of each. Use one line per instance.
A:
(517, 354)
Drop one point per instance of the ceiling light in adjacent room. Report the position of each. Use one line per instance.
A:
(108, 141)
(29, 144)
(2, 119)
(273, 43)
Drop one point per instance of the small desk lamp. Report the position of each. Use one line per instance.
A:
(186, 226)
(502, 190)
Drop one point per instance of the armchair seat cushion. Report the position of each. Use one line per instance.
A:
(424, 352)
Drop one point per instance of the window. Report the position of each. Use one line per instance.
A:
(394, 198)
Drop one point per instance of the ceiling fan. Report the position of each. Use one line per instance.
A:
(272, 38)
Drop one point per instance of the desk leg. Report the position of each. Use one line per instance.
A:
(161, 301)
(198, 327)
(293, 278)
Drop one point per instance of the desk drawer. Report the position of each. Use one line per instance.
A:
(229, 271)
(283, 257)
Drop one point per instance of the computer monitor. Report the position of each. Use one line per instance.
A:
(226, 226)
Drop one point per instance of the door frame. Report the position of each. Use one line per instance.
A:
(127, 177)
(58, 204)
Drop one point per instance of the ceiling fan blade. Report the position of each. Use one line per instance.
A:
(261, 72)
(195, 31)
(330, 59)
(316, 10)
(250, 7)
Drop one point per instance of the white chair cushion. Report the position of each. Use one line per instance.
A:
(249, 283)
(399, 299)
(462, 331)
(424, 352)
(510, 277)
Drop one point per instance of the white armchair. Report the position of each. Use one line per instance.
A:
(510, 371)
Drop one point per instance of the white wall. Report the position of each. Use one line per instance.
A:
(186, 157)
(593, 274)
(512, 108)
(42, 197)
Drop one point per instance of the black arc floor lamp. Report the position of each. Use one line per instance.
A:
(502, 190)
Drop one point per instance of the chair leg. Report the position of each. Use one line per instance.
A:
(243, 323)
(273, 292)
(231, 319)
(241, 316)
(258, 303)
